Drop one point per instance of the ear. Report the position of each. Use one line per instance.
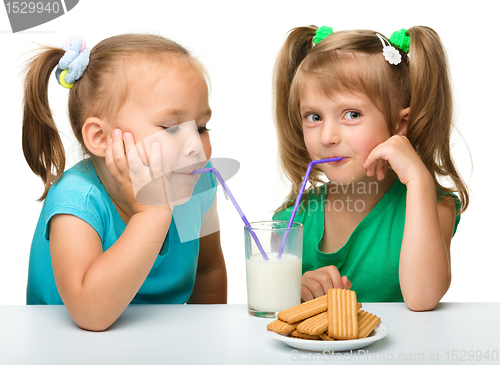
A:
(95, 136)
(402, 126)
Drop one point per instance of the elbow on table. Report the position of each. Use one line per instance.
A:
(421, 306)
(94, 325)
(425, 299)
(92, 320)
(90, 311)
(421, 303)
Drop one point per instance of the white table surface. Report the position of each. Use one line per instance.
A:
(226, 334)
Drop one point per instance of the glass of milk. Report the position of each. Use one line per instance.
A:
(274, 284)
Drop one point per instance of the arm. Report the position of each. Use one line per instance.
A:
(424, 265)
(97, 286)
(211, 279)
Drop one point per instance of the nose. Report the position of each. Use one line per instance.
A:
(330, 133)
(192, 144)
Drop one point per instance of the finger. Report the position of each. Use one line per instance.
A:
(135, 164)
(305, 294)
(370, 166)
(376, 154)
(140, 149)
(346, 284)
(119, 151)
(369, 170)
(325, 281)
(155, 160)
(315, 286)
(128, 139)
(145, 152)
(334, 274)
(337, 281)
(384, 168)
(380, 169)
(370, 160)
(110, 162)
(133, 159)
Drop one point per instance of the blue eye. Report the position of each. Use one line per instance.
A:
(313, 117)
(352, 115)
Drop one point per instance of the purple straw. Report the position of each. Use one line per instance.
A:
(299, 197)
(240, 212)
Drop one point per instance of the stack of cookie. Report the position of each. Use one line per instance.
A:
(335, 316)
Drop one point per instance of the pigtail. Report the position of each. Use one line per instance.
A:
(431, 106)
(293, 156)
(42, 145)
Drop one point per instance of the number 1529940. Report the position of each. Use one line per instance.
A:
(471, 355)
(25, 7)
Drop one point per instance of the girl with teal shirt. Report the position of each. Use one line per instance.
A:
(383, 223)
(130, 223)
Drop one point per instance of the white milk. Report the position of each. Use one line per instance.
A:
(273, 285)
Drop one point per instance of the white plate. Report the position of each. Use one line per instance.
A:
(313, 345)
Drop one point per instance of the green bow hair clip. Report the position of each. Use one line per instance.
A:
(401, 39)
(322, 33)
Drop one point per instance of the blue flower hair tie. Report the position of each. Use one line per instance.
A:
(74, 62)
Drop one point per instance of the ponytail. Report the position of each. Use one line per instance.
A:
(430, 120)
(294, 157)
(42, 145)
(100, 92)
(421, 82)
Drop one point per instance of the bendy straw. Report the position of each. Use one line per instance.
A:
(299, 197)
(240, 212)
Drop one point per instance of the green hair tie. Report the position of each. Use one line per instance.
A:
(322, 33)
(401, 39)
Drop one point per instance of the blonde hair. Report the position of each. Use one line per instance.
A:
(352, 61)
(100, 92)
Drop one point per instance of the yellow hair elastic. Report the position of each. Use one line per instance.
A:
(61, 79)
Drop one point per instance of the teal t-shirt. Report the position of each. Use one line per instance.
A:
(370, 257)
(80, 193)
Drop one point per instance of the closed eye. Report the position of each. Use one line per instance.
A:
(172, 130)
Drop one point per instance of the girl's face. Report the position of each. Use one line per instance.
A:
(170, 106)
(344, 125)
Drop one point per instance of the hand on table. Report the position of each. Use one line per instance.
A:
(317, 282)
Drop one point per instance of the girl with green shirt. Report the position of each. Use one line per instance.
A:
(383, 223)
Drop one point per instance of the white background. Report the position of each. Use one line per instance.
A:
(238, 42)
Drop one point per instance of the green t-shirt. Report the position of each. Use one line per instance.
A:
(370, 257)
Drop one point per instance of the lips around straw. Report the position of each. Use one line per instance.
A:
(240, 212)
(299, 197)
